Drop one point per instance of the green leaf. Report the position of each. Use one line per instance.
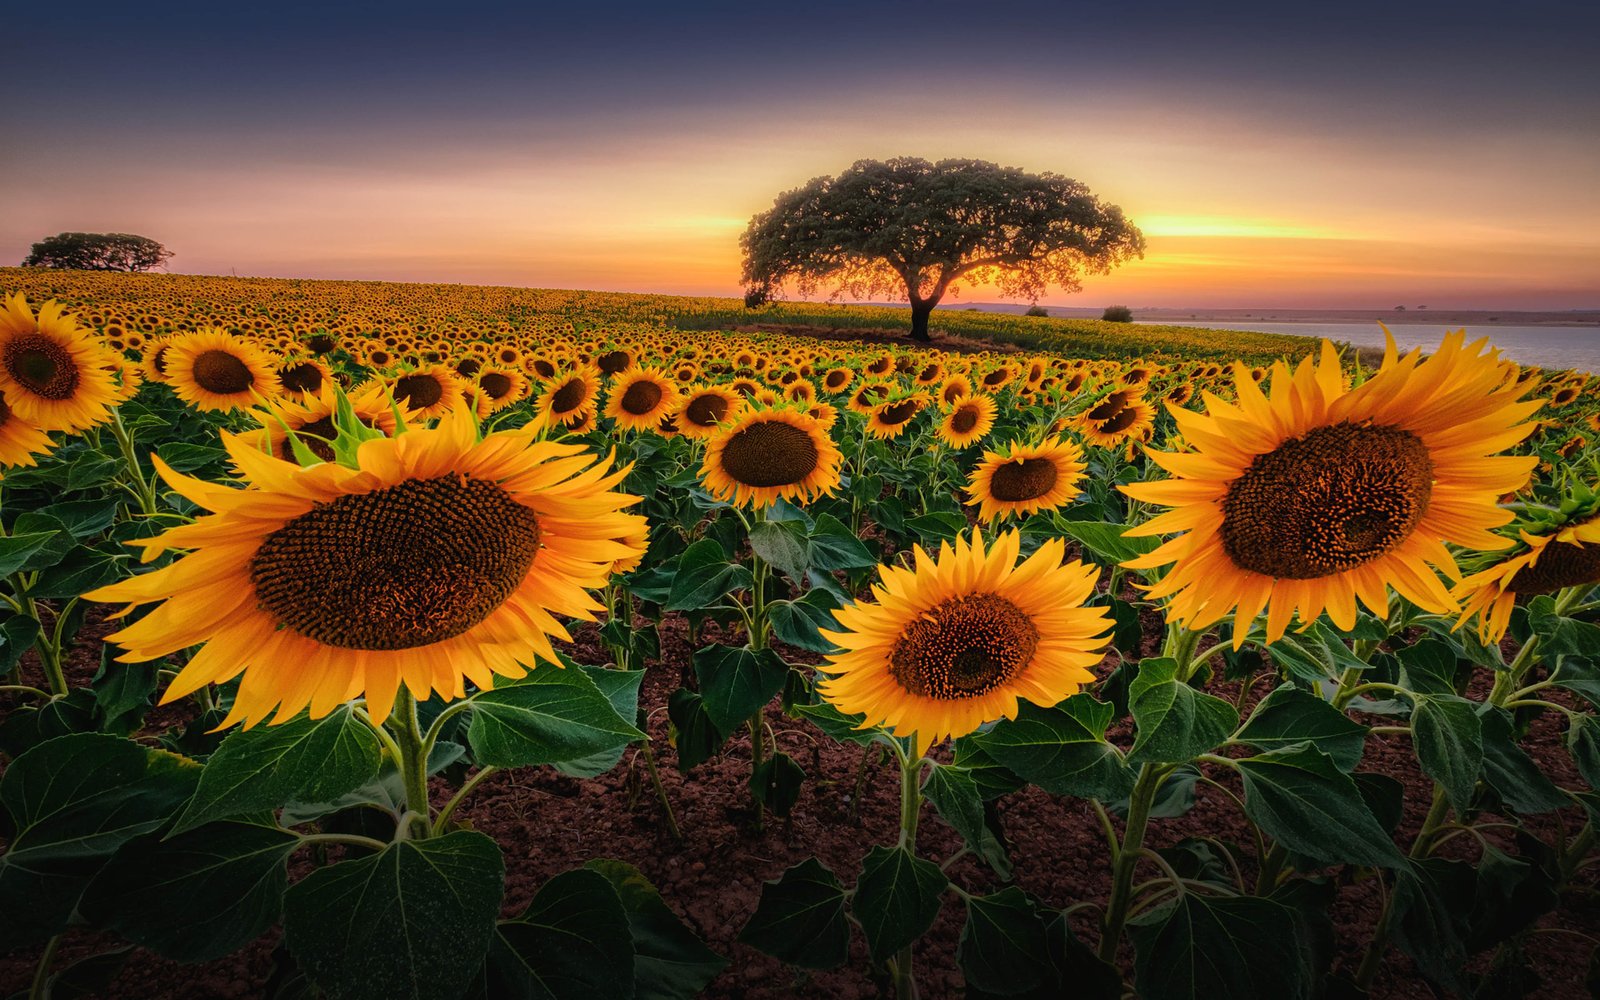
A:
(17, 635)
(83, 569)
(551, 716)
(782, 544)
(1428, 667)
(736, 683)
(838, 726)
(800, 918)
(835, 547)
(669, 962)
(954, 793)
(122, 692)
(705, 575)
(72, 802)
(897, 899)
(412, 921)
(85, 518)
(304, 760)
(776, 783)
(1583, 742)
(27, 726)
(573, 942)
(17, 549)
(1288, 715)
(1580, 675)
(1063, 750)
(1199, 946)
(1106, 542)
(695, 737)
(1560, 636)
(621, 688)
(798, 623)
(1003, 947)
(198, 895)
(1175, 723)
(1300, 797)
(1448, 739)
(936, 526)
(1509, 770)
(1431, 901)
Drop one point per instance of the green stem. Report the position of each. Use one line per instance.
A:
(661, 790)
(461, 794)
(757, 753)
(905, 981)
(49, 650)
(348, 839)
(413, 760)
(41, 975)
(143, 489)
(1379, 944)
(1127, 858)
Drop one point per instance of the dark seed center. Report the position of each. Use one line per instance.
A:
(42, 366)
(641, 397)
(418, 391)
(770, 453)
(222, 373)
(569, 397)
(302, 377)
(1560, 565)
(496, 384)
(964, 647)
(1029, 479)
(707, 410)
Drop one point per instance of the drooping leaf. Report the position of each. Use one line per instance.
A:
(782, 544)
(1175, 723)
(694, 735)
(1004, 947)
(1448, 738)
(736, 683)
(1199, 947)
(669, 962)
(1508, 769)
(800, 918)
(1299, 796)
(573, 942)
(897, 899)
(551, 716)
(1289, 715)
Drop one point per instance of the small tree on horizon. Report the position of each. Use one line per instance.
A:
(1117, 314)
(98, 252)
(911, 228)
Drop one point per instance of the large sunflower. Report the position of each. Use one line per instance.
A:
(499, 386)
(1022, 479)
(968, 421)
(767, 454)
(1565, 556)
(211, 369)
(54, 374)
(700, 411)
(1319, 495)
(311, 422)
(304, 378)
(640, 398)
(440, 560)
(955, 641)
(20, 441)
(427, 392)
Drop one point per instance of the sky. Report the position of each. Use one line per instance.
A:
(1355, 155)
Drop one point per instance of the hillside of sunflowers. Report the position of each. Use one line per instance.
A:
(367, 640)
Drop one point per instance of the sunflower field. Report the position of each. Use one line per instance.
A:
(371, 640)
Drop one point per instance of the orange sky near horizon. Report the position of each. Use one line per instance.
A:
(1239, 208)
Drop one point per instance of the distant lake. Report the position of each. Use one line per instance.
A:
(1545, 346)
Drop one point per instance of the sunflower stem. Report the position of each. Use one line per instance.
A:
(905, 982)
(661, 790)
(413, 760)
(1379, 945)
(41, 975)
(143, 489)
(1127, 858)
(756, 754)
(49, 650)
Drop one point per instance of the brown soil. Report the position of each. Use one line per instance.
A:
(547, 823)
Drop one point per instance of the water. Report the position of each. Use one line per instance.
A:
(1545, 346)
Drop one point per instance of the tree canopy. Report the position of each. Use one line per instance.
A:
(911, 228)
(98, 252)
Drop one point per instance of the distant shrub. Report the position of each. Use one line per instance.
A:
(1117, 314)
(757, 296)
(1037, 311)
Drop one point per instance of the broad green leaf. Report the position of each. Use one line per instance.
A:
(1580, 675)
(1560, 636)
(800, 918)
(1431, 901)
(694, 736)
(1106, 542)
(705, 575)
(1299, 796)
(1583, 741)
(413, 921)
(1289, 715)
(1199, 947)
(17, 549)
(1510, 771)
(1175, 723)
(935, 527)
(669, 962)
(1428, 667)
(897, 899)
(782, 544)
(798, 622)
(1062, 750)
(834, 546)
(776, 783)
(71, 803)
(122, 692)
(552, 716)
(954, 793)
(838, 726)
(1003, 947)
(27, 726)
(304, 760)
(1448, 739)
(17, 636)
(621, 688)
(573, 942)
(198, 895)
(85, 518)
(736, 683)
(83, 569)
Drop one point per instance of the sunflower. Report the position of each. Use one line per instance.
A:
(427, 392)
(1121, 416)
(888, 420)
(568, 399)
(1318, 495)
(823, 413)
(837, 380)
(1568, 555)
(303, 378)
(967, 422)
(640, 398)
(767, 454)
(212, 369)
(1023, 479)
(54, 374)
(441, 560)
(612, 362)
(311, 422)
(800, 392)
(20, 441)
(702, 410)
(498, 387)
(954, 388)
(956, 641)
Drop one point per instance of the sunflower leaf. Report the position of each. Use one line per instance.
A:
(1175, 722)
(669, 961)
(1448, 738)
(736, 683)
(800, 918)
(705, 575)
(1289, 715)
(1063, 750)
(1299, 796)
(782, 544)
(1206, 946)
(897, 899)
(573, 940)
(552, 716)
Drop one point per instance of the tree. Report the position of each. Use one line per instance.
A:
(98, 252)
(909, 227)
(1117, 314)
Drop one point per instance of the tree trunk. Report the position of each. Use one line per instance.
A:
(921, 309)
